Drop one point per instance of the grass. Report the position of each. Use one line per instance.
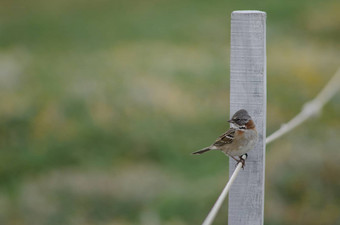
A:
(103, 102)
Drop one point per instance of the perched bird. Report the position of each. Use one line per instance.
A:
(238, 140)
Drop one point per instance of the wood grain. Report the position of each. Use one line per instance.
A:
(248, 91)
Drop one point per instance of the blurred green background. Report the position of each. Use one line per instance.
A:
(102, 103)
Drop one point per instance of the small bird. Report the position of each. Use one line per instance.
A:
(238, 140)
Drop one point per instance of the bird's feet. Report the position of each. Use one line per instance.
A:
(242, 160)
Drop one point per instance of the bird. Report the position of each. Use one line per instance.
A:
(238, 140)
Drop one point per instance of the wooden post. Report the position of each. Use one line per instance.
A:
(248, 91)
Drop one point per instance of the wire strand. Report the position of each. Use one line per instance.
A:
(213, 212)
(310, 108)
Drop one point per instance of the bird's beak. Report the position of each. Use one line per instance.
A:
(229, 121)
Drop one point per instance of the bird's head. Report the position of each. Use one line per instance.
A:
(240, 118)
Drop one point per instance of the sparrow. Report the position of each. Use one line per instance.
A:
(238, 140)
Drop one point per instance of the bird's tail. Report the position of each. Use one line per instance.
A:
(202, 150)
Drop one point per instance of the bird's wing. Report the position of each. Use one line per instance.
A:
(225, 138)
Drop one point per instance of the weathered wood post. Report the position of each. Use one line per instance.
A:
(248, 91)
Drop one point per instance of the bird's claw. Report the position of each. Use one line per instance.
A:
(242, 160)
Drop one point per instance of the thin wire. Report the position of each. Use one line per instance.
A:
(309, 109)
(213, 212)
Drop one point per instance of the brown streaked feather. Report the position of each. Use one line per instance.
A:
(225, 138)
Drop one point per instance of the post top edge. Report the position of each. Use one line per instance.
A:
(248, 12)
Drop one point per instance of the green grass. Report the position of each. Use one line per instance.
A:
(102, 102)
